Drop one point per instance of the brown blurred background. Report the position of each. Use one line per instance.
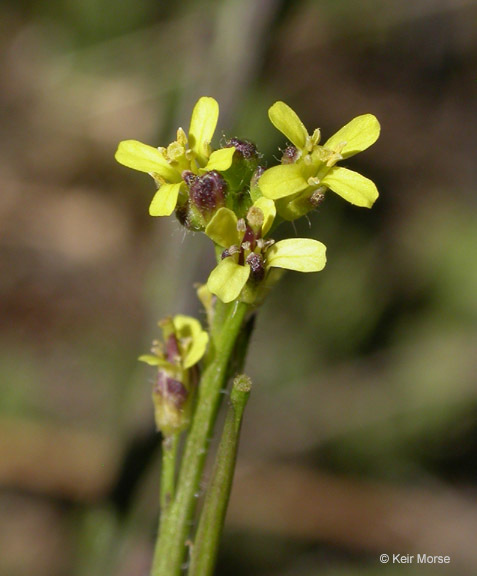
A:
(361, 434)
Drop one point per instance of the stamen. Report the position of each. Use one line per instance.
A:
(313, 181)
(257, 268)
(241, 225)
(255, 218)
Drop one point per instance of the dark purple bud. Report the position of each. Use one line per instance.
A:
(257, 268)
(290, 155)
(207, 192)
(244, 147)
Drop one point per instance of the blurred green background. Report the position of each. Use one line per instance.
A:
(361, 434)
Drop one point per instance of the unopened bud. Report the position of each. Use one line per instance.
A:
(171, 404)
(244, 164)
(245, 148)
(207, 193)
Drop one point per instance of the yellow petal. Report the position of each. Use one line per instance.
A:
(267, 206)
(288, 122)
(227, 279)
(351, 186)
(154, 360)
(359, 134)
(281, 181)
(300, 254)
(165, 200)
(145, 158)
(202, 127)
(222, 229)
(220, 160)
(188, 329)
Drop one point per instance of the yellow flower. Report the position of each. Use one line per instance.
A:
(188, 153)
(309, 169)
(184, 344)
(248, 257)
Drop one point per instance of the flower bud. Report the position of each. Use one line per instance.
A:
(207, 193)
(244, 163)
(206, 196)
(177, 357)
(244, 148)
(172, 403)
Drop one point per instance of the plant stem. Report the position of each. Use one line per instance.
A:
(212, 518)
(168, 471)
(174, 528)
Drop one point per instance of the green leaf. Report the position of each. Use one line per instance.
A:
(359, 134)
(220, 160)
(202, 127)
(222, 229)
(281, 181)
(145, 158)
(300, 254)
(351, 186)
(227, 279)
(165, 200)
(288, 122)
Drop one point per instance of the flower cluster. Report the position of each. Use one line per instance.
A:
(228, 195)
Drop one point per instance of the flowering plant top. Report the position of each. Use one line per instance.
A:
(229, 195)
(236, 200)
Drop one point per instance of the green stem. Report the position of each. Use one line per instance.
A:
(212, 518)
(174, 528)
(168, 471)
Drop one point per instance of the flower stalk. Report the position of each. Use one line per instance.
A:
(168, 471)
(175, 529)
(205, 547)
